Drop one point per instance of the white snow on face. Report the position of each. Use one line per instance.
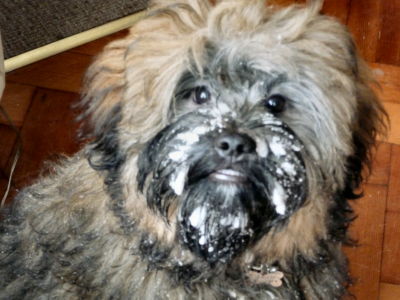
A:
(202, 240)
(189, 137)
(262, 148)
(289, 168)
(177, 182)
(236, 222)
(278, 199)
(223, 108)
(180, 153)
(296, 148)
(268, 119)
(230, 220)
(200, 130)
(177, 156)
(216, 124)
(277, 147)
(198, 217)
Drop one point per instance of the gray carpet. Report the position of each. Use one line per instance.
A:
(29, 24)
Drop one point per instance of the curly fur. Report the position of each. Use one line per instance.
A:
(90, 231)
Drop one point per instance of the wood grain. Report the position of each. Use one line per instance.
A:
(389, 292)
(49, 130)
(363, 23)
(388, 50)
(394, 183)
(338, 9)
(391, 253)
(381, 164)
(16, 101)
(7, 141)
(62, 72)
(393, 110)
(3, 188)
(388, 78)
(365, 260)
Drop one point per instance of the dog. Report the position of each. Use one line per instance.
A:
(225, 143)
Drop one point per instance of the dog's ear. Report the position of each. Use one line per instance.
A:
(133, 80)
(103, 90)
(371, 121)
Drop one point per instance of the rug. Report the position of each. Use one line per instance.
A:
(29, 24)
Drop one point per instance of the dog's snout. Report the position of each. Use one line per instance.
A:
(235, 145)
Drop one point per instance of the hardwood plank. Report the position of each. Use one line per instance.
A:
(393, 110)
(95, 47)
(394, 183)
(386, 73)
(365, 260)
(388, 50)
(3, 188)
(48, 131)
(381, 164)
(388, 78)
(363, 23)
(338, 9)
(389, 292)
(7, 141)
(3, 185)
(391, 254)
(16, 101)
(61, 72)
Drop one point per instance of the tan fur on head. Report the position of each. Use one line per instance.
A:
(92, 231)
(131, 72)
(298, 42)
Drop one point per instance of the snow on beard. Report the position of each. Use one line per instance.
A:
(213, 221)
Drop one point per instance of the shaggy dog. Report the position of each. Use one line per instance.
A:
(226, 141)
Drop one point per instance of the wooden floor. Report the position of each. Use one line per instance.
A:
(38, 98)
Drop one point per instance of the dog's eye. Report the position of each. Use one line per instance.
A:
(275, 103)
(201, 95)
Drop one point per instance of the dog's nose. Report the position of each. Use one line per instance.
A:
(235, 145)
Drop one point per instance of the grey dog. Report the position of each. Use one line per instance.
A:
(226, 140)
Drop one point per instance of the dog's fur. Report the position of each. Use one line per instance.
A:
(226, 141)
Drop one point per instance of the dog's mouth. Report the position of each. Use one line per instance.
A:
(228, 176)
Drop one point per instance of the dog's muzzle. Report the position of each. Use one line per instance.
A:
(233, 182)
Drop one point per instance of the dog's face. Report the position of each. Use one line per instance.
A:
(243, 127)
(229, 157)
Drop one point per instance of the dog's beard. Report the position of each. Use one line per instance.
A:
(225, 202)
(214, 221)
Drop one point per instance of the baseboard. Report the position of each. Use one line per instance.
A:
(70, 42)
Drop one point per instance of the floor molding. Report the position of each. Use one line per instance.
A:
(70, 42)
